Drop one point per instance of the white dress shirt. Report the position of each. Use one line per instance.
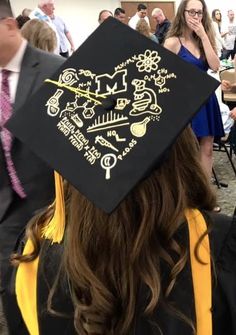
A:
(14, 66)
(37, 13)
(229, 38)
(134, 20)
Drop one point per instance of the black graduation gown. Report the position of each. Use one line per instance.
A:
(223, 246)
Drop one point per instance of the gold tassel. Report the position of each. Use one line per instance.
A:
(55, 228)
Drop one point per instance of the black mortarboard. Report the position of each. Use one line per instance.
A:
(110, 112)
(5, 9)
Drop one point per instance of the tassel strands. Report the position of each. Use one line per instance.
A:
(55, 228)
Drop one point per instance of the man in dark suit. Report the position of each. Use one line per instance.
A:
(27, 68)
(163, 24)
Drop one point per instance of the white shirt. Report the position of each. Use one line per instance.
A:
(37, 13)
(14, 66)
(134, 20)
(229, 38)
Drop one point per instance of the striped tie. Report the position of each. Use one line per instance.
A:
(6, 137)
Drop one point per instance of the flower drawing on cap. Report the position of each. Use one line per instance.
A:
(148, 61)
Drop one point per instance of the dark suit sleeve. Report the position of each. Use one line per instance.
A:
(224, 293)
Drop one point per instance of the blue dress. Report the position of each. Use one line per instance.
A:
(208, 121)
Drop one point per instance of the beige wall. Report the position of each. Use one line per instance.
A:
(81, 15)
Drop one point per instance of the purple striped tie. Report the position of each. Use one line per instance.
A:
(6, 137)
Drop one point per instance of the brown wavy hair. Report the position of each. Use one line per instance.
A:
(108, 257)
(178, 25)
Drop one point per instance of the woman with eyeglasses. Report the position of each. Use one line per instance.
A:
(191, 36)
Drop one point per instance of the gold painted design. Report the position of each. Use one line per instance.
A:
(121, 103)
(108, 121)
(129, 61)
(113, 133)
(145, 100)
(68, 77)
(53, 103)
(160, 81)
(139, 129)
(85, 94)
(70, 108)
(86, 73)
(78, 140)
(66, 127)
(92, 155)
(112, 84)
(88, 112)
(102, 141)
(148, 61)
(95, 133)
(77, 120)
(108, 162)
(127, 149)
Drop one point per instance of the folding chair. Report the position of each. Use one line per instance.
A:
(225, 147)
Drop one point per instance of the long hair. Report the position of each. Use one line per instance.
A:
(109, 257)
(213, 16)
(178, 25)
(40, 35)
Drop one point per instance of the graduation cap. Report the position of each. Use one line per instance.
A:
(111, 111)
(5, 9)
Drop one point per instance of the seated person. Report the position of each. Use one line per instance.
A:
(228, 87)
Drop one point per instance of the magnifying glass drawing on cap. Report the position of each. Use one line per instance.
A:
(108, 161)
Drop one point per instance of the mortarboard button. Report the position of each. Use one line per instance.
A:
(109, 103)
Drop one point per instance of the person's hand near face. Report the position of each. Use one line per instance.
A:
(195, 24)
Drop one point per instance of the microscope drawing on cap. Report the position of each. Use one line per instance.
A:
(145, 101)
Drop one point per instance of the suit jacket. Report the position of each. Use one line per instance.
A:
(161, 30)
(35, 176)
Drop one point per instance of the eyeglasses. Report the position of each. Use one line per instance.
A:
(193, 12)
(217, 13)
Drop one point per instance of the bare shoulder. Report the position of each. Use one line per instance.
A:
(172, 44)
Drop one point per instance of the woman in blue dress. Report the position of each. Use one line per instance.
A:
(191, 36)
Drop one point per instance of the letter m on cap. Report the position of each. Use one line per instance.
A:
(113, 84)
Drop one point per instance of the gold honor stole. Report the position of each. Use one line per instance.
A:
(26, 290)
(201, 273)
(26, 279)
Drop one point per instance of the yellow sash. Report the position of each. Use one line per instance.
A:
(26, 291)
(201, 273)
